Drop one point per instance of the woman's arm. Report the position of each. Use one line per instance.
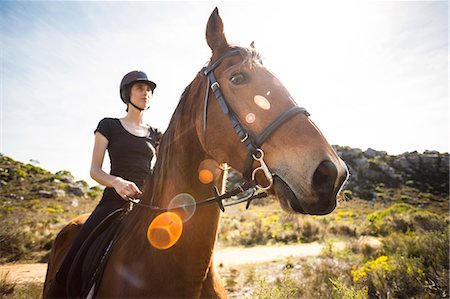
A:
(123, 188)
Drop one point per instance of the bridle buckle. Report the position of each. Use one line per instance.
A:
(263, 167)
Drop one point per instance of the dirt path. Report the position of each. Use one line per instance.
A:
(229, 256)
(233, 256)
(24, 273)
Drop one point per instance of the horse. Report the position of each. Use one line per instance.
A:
(234, 113)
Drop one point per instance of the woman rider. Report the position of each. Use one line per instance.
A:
(131, 145)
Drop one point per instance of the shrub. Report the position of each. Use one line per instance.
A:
(391, 277)
(410, 265)
(431, 249)
(6, 286)
(343, 230)
(35, 169)
(347, 194)
(26, 291)
(82, 183)
(285, 287)
(402, 217)
(12, 243)
(317, 277)
(63, 175)
(309, 232)
(342, 291)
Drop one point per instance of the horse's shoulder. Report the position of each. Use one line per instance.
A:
(71, 228)
(79, 220)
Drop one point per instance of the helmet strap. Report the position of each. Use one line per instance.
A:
(135, 106)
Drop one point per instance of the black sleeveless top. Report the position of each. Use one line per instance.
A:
(130, 155)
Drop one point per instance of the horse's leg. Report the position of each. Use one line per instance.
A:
(212, 286)
(62, 244)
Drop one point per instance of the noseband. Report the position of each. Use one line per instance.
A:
(251, 141)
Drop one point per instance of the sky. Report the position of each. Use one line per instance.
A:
(373, 74)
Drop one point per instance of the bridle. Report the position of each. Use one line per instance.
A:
(251, 141)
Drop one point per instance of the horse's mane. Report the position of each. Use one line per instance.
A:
(173, 132)
(154, 180)
(177, 127)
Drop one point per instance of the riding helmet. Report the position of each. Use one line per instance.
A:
(131, 78)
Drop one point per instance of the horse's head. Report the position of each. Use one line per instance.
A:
(307, 172)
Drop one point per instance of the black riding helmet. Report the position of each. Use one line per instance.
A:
(131, 78)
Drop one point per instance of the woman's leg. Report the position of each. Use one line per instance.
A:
(103, 209)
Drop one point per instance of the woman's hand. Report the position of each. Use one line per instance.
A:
(126, 189)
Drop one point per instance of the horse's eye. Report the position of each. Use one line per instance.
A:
(238, 78)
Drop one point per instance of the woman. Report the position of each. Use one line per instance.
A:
(131, 145)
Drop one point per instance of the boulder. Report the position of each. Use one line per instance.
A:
(75, 190)
(45, 194)
(371, 153)
(59, 193)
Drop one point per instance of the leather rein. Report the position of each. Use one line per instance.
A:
(250, 140)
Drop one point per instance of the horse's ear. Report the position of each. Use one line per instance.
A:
(252, 45)
(215, 36)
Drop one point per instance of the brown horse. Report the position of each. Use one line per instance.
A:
(292, 158)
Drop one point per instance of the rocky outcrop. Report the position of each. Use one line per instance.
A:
(428, 171)
(20, 181)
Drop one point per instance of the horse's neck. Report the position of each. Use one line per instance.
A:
(190, 257)
(182, 176)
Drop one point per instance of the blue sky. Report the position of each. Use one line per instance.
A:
(372, 74)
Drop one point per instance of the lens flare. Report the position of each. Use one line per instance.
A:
(262, 102)
(184, 205)
(205, 176)
(165, 230)
(250, 118)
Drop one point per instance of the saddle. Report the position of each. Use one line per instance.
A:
(88, 266)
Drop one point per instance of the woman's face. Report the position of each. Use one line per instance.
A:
(140, 95)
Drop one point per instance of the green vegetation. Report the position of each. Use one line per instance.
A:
(34, 205)
(395, 250)
(397, 247)
(397, 239)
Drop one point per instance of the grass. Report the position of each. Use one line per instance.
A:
(395, 249)
(398, 244)
(413, 265)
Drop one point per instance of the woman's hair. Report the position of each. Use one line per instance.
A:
(127, 93)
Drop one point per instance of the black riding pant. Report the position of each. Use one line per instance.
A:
(110, 202)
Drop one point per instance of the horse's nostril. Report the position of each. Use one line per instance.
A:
(324, 178)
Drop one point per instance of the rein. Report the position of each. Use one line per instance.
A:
(252, 142)
(251, 185)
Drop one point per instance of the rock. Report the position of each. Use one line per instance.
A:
(59, 193)
(45, 194)
(65, 176)
(428, 172)
(75, 203)
(402, 163)
(361, 164)
(443, 166)
(371, 153)
(75, 190)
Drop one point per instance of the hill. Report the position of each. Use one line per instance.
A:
(34, 204)
(400, 201)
